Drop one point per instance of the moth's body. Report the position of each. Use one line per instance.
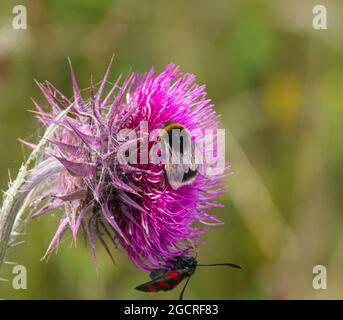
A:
(167, 279)
(178, 269)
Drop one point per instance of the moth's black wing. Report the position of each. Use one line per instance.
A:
(158, 273)
(165, 282)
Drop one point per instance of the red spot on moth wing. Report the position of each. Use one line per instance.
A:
(163, 284)
(173, 275)
(151, 288)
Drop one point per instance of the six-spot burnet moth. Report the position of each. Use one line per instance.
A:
(176, 270)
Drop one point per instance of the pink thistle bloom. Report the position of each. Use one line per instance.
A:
(133, 205)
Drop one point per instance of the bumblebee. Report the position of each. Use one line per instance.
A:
(178, 144)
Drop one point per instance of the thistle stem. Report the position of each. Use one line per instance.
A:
(14, 197)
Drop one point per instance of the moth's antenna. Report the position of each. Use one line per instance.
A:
(221, 264)
(184, 288)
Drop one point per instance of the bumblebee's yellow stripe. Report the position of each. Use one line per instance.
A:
(171, 126)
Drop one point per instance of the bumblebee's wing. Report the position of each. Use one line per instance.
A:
(166, 282)
(180, 174)
(182, 167)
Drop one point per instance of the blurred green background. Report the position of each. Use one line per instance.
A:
(278, 84)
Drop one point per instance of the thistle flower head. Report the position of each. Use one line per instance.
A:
(135, 204)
